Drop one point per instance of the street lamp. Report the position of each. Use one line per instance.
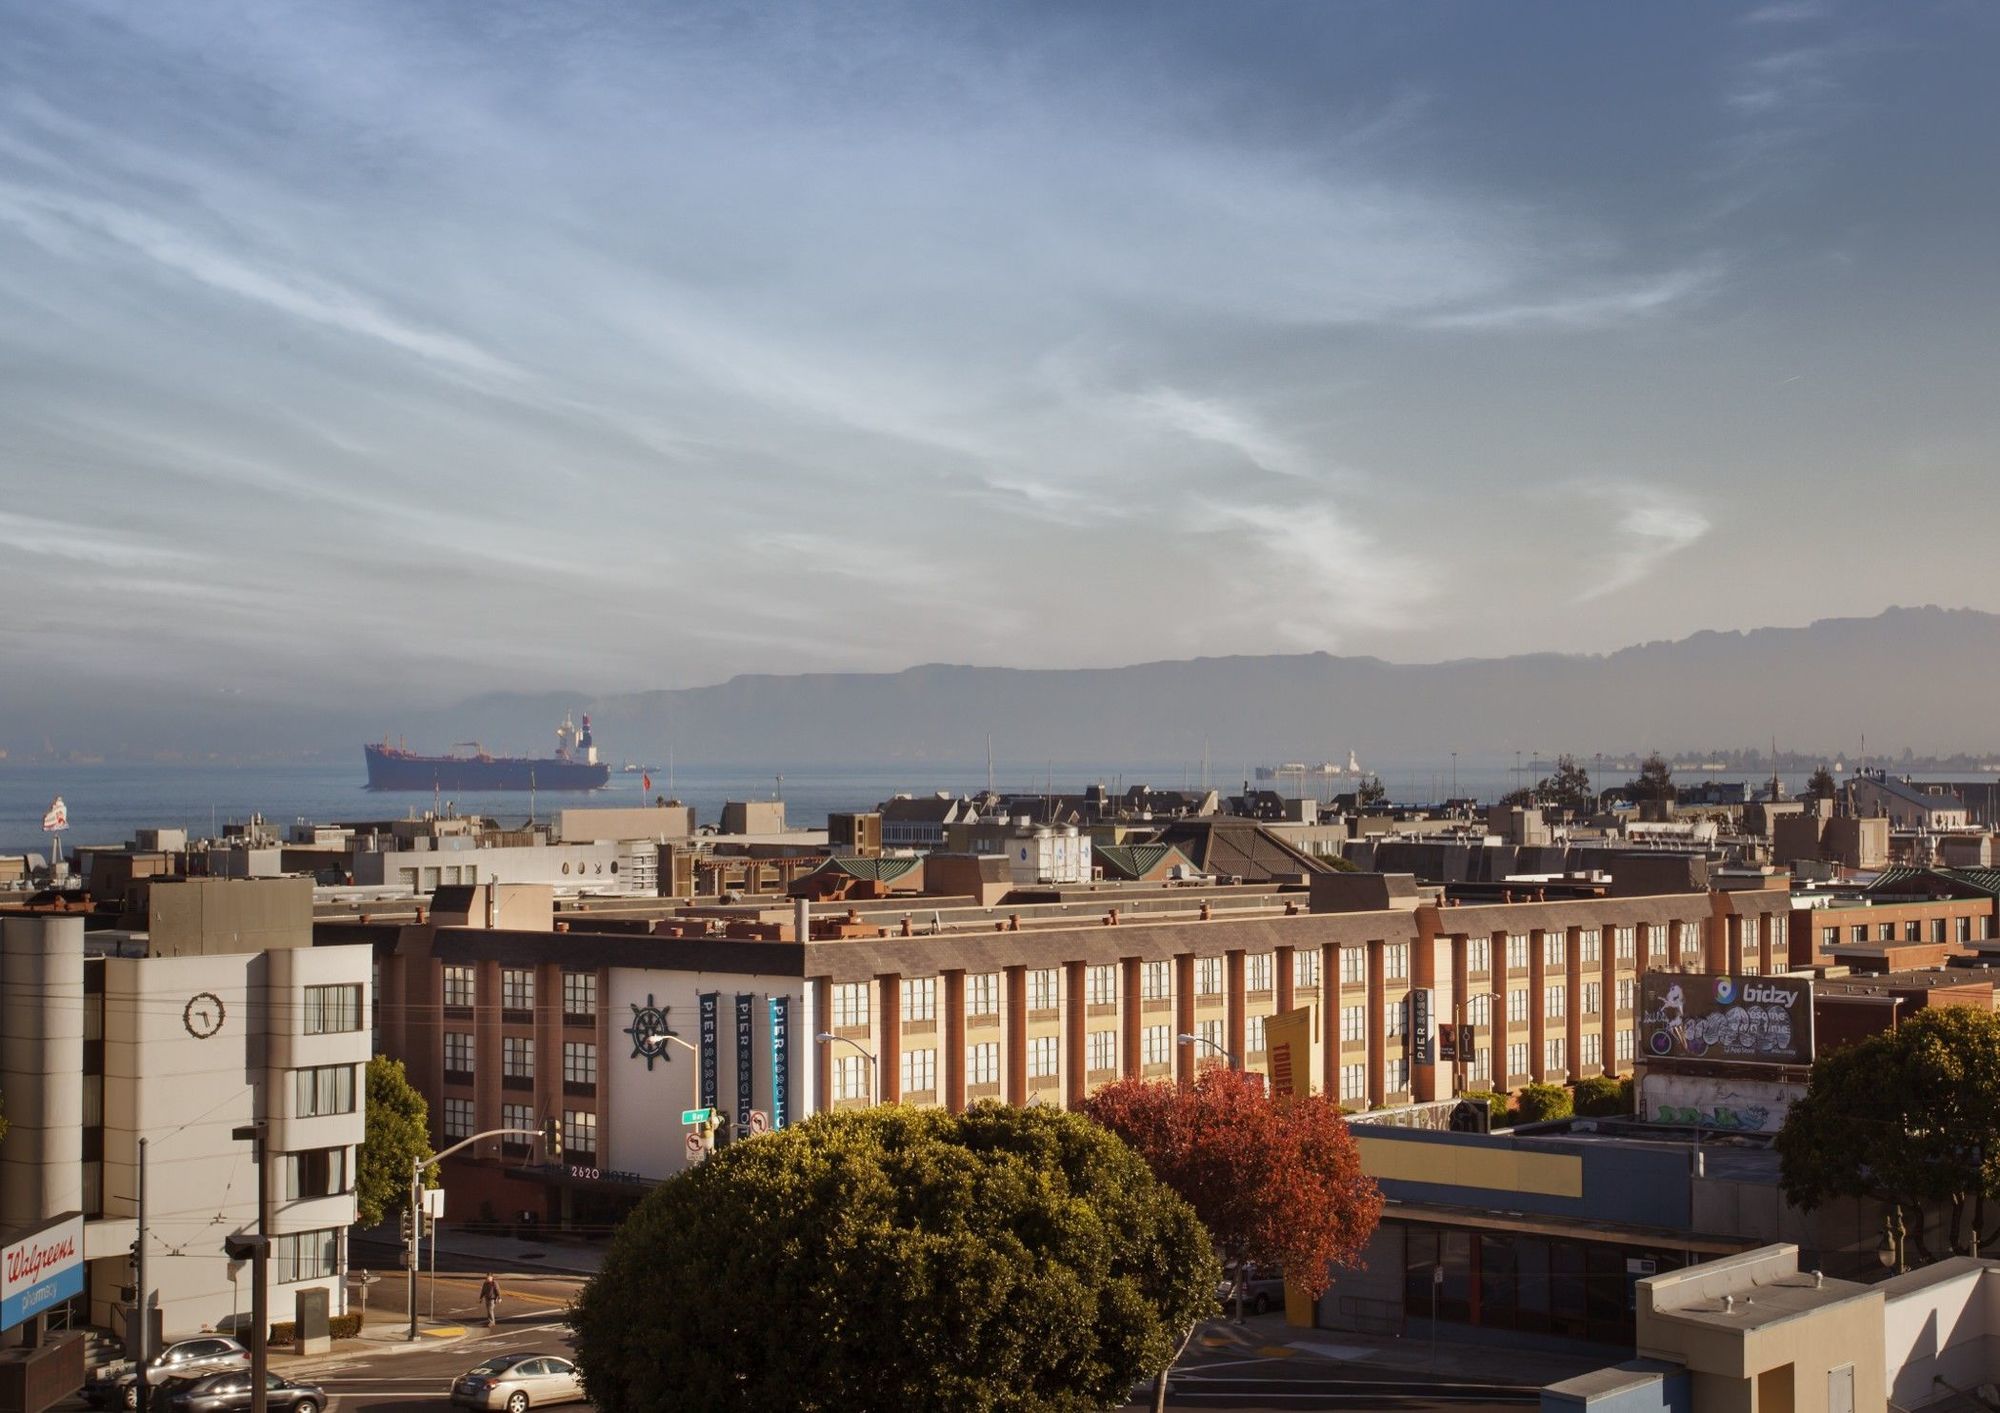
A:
(874, 1070)
(1190, 1039)
(695, 1069)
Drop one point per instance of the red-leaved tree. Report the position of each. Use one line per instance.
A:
(1277, 1182)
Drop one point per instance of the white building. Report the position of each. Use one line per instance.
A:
(115, 1037)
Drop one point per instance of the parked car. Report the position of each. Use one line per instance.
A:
(227, 1392)
(117, 1384)
(1263, 1289)
(516, 1382)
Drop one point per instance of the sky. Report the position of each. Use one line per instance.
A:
(360, 351)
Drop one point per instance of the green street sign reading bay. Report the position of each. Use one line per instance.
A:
(696, 1116)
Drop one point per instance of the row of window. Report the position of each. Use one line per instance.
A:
(919, 1073)
(919, 995)
(517, 990)
(919, 1068)
(579, 1126)
(517, 1057)
(1959, 929)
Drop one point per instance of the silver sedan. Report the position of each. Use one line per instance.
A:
(518, 1382)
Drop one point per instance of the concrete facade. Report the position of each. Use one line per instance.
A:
(180, 1050)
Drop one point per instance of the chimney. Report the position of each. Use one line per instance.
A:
(802, 920)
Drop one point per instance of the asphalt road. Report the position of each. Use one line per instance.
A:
(365, 1380)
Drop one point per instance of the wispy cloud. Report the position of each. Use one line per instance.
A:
(1591, 309)
(1304, 574)
(304, 297)
(1649, 525)
(1221, 423)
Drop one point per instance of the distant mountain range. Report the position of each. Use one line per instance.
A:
(1921, 677)
(1917, 677)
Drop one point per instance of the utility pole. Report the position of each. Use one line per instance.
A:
(260, 1269)
(140, 1315)
(412, 1253)
(260, 1274)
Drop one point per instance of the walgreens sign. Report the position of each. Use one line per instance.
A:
(40, 1270)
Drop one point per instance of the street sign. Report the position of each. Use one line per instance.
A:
(695, 1147)
(696, 1116)
(760, 1122)
(434, 1203)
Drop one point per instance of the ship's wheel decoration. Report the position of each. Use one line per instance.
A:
(649, 1030)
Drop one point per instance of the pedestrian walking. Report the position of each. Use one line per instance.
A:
(489, 1296)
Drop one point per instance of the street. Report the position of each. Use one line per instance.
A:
(1242, 1367)
(360, 1375)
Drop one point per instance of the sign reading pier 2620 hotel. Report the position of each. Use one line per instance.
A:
(41, 1270)
(1764, 1020)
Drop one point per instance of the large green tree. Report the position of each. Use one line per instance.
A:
(1911, 1118)
(898, 1259)
(396, 1130)
(1821, 785)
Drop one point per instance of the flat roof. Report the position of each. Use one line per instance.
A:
(1768, 1303)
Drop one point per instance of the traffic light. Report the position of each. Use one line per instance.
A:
(552, 1140)
(718, 1130)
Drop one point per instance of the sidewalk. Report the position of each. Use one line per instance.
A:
(503, 1255)
(1522, 1365)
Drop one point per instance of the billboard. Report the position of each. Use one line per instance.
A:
(1762, 1020)
(1288, 1052)
(41, 1270)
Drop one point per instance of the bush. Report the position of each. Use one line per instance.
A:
(1604, 1096)
(1542, 1102)
(1496, 1106)
(338, 1326)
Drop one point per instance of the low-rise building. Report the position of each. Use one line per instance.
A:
(222, 1015)
(953, 999)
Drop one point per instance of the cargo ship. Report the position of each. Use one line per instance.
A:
(574, 766)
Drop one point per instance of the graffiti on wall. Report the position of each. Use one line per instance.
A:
(1727, 1105)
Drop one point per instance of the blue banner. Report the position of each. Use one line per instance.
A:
(709, 1000)
(746, 1061)
(781, 1059)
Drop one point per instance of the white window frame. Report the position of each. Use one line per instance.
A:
(918, 996)
(850, 1004)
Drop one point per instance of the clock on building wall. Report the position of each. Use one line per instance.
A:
(649, 1030)
(203, 1014)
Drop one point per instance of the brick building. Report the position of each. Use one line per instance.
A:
(505, 1021)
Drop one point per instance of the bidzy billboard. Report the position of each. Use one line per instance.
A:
(1764, 1020)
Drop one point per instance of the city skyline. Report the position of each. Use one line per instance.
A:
(402, 348)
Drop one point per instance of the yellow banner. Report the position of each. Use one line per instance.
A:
(1290, 1056)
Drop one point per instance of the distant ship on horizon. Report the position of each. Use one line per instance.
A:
(574, 766)
(1325, 769)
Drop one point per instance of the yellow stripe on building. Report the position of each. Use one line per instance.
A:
(1455, 1165)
